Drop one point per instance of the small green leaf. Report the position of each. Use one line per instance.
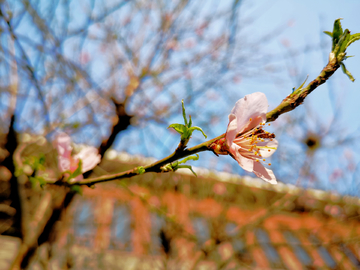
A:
(300, 88)
(337, 32)
(183, 112)
(186, 135)
(328, 33)
(340, 44)
(42, 159)
(196, 157)
(185, 130)
(18, 171)
(77, 189)
(167, 168)
(33, 181)
(345, 40)
(186, 167)
(140, 170)
(37, 180)
(199, 129)
(41, 180)
(352, 39)
(347, 72)
(77, 172)
(180, 128)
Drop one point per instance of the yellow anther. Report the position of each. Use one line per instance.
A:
(250, 119)
(269, 164)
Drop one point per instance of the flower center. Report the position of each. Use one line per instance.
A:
(249, 141)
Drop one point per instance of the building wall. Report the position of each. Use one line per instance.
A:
(169, 227)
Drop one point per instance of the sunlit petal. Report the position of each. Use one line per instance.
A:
(246, 141)
(264, 173)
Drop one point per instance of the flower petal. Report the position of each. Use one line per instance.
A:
(89, 157)
(62, 143)
(255, 122)
(246, 163)
(231, 129)
(268, 147)
(251, 106)
(264, 173)
(63, 164)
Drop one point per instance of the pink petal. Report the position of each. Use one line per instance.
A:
(63, 164)
(264, 173)
(246, 163)
(90, 158)
(62, 143)
(232, 129)
(251, 106)
(255, 122)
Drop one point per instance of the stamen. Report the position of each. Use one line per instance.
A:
(269, 164)
(264, 159)
(250, 119)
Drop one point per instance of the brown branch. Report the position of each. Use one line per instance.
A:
(154, 167)
(296, 99)
(123, 122)
(10, 146)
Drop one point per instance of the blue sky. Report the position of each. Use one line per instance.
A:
(290, 27)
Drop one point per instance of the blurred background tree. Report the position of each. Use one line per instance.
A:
(94, 69)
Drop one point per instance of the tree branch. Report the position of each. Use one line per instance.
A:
(295, 99)
(154, 167)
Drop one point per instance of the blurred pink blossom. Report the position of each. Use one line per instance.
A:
(66, 162)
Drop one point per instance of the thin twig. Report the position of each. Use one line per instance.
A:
(294, 100)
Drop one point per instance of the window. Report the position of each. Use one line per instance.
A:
(299, 251)
(270, 251)
(121, 229)
(324, 253)
(84, 227)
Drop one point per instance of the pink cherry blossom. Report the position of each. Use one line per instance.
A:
(245, 140)
(88, 155)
